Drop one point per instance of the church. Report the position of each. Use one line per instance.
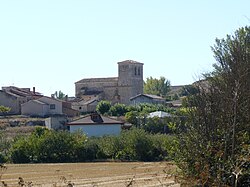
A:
(129, 83)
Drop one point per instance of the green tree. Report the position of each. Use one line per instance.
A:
(132, 117)
(48, 146)
(156, 86)
(118, 109)
(188, 90)
(4, 110)
(59, 95)
(157, 125)
(216, 144)
(103, 107)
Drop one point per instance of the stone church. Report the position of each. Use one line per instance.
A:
(129, 83)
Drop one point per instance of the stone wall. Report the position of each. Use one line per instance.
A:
(94, 86)
(13, 102)
(120, 89)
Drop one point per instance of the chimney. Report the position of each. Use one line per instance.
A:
(34, 90)
(95, 117)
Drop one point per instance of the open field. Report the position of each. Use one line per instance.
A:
(105, 174)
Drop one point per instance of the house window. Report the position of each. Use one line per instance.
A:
(52, 106)
(139, 71)
(135, 71)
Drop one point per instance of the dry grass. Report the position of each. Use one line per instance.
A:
(12, 126)
(107, 174)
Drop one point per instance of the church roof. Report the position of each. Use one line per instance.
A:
(105, 79)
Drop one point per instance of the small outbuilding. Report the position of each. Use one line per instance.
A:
(96, 125)
(159, 114)
(147, 98)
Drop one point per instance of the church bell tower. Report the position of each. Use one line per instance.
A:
(130, 79)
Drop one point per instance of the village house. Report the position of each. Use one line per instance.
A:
(42, 107)
(47, 106)
(13, 97)
(96, 125)
(85, 106)
(147, 98)
(57, 122)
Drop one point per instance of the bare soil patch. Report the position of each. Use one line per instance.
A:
(107, 174)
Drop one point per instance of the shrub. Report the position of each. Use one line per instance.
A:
(53, 146)
(103, 107)
(48, 146)
(118, 110)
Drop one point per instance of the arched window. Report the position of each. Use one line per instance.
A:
(135, 71)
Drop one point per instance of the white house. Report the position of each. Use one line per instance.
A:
(96, 125)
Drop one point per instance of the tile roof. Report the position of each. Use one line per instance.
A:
(91, 101)
(20, 92)
(88, 120)
(39, 102)
(105, 79)
(149, 96)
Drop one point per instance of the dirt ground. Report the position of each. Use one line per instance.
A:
(107, 174)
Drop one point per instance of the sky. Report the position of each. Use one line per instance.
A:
(51, 44)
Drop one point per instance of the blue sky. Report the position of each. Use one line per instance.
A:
(51, 44)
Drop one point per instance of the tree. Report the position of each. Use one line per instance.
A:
(158, 87)
(118, 109)
(132, 117)
(103, 107)
(59, 95)
(4, 110)
(188, 90)
(48, 146)
(216, 144)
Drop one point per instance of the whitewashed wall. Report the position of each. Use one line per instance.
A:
(97, 130)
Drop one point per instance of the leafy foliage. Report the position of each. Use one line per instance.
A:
(157, 125)
(215, 147)
(188, 90)
(59, 95)
(103, 107)
(4, 110)
(155, 86)
(51, 146)
(118, 109)
(47, 146)
(132, 117)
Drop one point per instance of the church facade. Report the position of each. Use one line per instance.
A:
(129, 83)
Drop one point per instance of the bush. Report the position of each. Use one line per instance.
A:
(103, 107)
(3, 159)
(48, 146)
(22, 151)
(52, 146)
(118, 110)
